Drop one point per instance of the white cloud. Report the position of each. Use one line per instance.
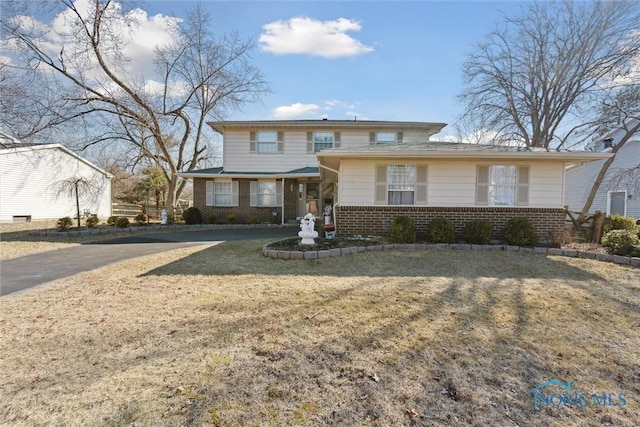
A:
(294, 111)
(303, 35)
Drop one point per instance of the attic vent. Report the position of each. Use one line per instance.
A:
(608, 143)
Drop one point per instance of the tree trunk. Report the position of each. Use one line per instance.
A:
(77, 204)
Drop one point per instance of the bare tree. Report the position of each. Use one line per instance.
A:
(537, 77)
(623, 115)
(94, 86)
(75, 186)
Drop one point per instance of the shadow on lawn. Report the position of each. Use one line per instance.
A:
(237, 258)
(474, 331)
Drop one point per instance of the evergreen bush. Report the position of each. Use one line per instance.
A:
(213, 218)
(402, 230)
(92, 221)
(192, 216)
(519, 231)
(477, 232)
(122, 222)
(618, 222)
(441, 230)
(621, 242)
(65, 223)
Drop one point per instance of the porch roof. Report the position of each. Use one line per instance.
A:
(305, 172)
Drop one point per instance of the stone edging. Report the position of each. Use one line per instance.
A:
(168, 227)
(336, 252)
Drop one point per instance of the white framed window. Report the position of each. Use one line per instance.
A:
(221, 193)
(386, 138)
(401, 185)
(617, 202)
(266, 193)
(322, 141)
(502, 185)
(267, 142)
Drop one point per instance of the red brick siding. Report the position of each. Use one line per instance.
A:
(243, 211)
(375, 219)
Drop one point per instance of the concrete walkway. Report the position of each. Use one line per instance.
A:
(37, 269)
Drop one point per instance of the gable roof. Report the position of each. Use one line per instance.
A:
(11, 145)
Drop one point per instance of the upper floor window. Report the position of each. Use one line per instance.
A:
(385, 137)
(317, 141)
(322, 141)
(502, 185)
(267, 142)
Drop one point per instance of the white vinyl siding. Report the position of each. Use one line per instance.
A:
(221, 193)
(450, 183)
(30, 180)
(578, 182)
(265, 193)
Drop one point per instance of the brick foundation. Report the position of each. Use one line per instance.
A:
(375, 220)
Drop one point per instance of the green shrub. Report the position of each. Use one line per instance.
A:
(519, 231)
(402, 230)
(253, 219)
(618, 222)
(620, 242)
(213, 218)
(112, 220)
(231, 219)
(92, 221)
(192, 216)
(140, 219)
(122, 222)
(65, 223)
(477, 232)
(441, 230)
(275, 219)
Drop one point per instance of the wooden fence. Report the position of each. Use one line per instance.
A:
(592, 224)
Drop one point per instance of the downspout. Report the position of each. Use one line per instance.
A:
(282, 201)
(335, 205)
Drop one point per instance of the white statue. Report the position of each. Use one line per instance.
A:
(307, 229)
(327, 215)
(163, 217)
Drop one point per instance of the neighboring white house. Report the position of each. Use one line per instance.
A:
(30, 180)
(614, 196)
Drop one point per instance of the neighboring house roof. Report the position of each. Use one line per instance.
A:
(325, 123)
(220, 172)
(17, 146)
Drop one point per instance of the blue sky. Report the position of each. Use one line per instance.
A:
(381, 60)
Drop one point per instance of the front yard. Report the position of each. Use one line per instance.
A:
(223, 336)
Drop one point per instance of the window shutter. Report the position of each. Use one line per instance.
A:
(280, 142)
(421, 185)
(252, 142)
(381, 185)
(278, 193)
(523, 186)
(234, 193)
(309, 142)
(209, 193)
(336, 140)
(399, 137)
(482, 186)
(372, 138)
(253, 191)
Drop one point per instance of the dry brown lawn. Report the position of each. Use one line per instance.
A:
(221, 336)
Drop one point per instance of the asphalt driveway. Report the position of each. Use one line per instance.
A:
(37, 269)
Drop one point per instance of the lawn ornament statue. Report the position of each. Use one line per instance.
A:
(307, 229)
(163, 217)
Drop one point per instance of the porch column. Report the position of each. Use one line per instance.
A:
(282, 201)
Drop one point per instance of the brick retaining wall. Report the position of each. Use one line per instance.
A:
(375, 220)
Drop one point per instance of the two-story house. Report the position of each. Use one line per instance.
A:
(372, 171)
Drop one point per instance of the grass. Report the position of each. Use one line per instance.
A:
(221, 336)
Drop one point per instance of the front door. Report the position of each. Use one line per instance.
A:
(309, 198)
(618, 203)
